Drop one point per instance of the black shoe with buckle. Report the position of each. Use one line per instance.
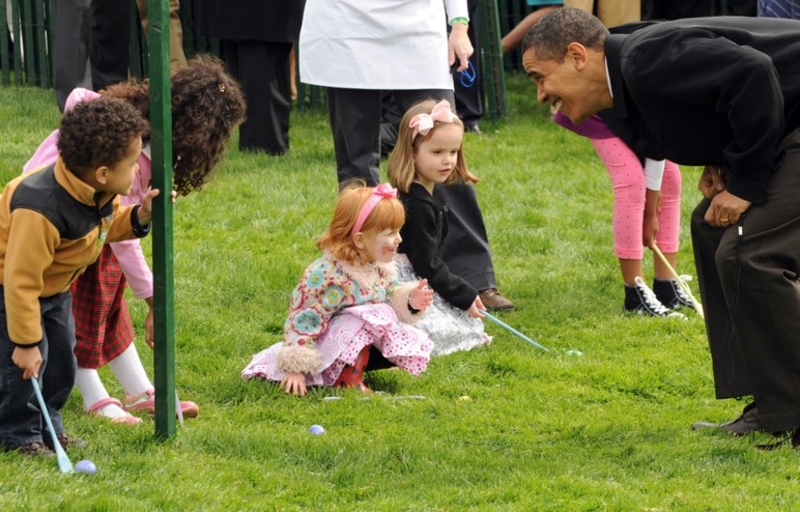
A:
(493, 301)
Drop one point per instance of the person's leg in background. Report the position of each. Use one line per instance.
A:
(177, 57)
(262, 68)
(468, 83)
(109, 48)
(666, 288)
(628, 181)
(355, 118)
(71, 53)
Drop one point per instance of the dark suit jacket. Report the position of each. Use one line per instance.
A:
(251, 20)
(708, 91)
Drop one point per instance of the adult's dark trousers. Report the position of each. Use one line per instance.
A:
(468, 84)
(21, 420)
(97, 30)
(748, 276)
(355, 118)
(262, 69)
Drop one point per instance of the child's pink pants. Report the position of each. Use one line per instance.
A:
(627, 178)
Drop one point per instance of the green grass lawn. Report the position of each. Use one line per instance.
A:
(605, 430)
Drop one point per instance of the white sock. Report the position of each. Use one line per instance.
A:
(128, 369)
(88, 382)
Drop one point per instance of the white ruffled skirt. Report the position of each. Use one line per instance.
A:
(350, 331)
(450, 328)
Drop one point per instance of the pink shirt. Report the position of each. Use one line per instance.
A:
(128, 253)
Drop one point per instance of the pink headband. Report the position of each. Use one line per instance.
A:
(382, 191)
(422, 123)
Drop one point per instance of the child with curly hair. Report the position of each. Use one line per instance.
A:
(53, 225)
(207, 105)
(349, 302)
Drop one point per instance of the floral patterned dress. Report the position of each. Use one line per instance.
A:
(336, 310)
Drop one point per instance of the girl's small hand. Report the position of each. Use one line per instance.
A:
(294, 383)
(649, 230)
(475, 309)
(421, 297)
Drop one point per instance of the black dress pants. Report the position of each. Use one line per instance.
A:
(262, 69)
(748, 276)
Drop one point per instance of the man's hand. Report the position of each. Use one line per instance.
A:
(726, 209)
(711, 181)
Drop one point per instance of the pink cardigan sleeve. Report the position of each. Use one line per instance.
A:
(129, 253)
(47, 152)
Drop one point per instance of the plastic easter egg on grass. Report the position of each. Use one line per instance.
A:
(86, 466)
(316, 429)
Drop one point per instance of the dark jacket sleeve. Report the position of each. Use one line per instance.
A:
(721, 78)
(422, 236)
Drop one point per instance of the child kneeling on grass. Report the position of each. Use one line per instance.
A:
(53, 224)
(348, 301)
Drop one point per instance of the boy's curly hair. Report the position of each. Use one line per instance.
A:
(97, 133)
(207, 105)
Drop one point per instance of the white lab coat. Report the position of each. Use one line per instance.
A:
(377, 44)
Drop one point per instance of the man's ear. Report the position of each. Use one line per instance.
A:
(358, 240)
(578, 55)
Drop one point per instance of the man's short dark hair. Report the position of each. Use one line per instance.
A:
(552, 35)
(98, 132)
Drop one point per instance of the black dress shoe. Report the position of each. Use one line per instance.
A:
(748, 422)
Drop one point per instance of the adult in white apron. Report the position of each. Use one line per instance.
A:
(357, 49)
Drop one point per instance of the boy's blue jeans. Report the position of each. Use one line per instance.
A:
(21, 421)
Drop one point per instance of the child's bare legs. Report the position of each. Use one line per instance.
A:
(513, 39)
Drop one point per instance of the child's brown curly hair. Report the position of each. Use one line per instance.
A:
(98, 133)
(207, 105)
